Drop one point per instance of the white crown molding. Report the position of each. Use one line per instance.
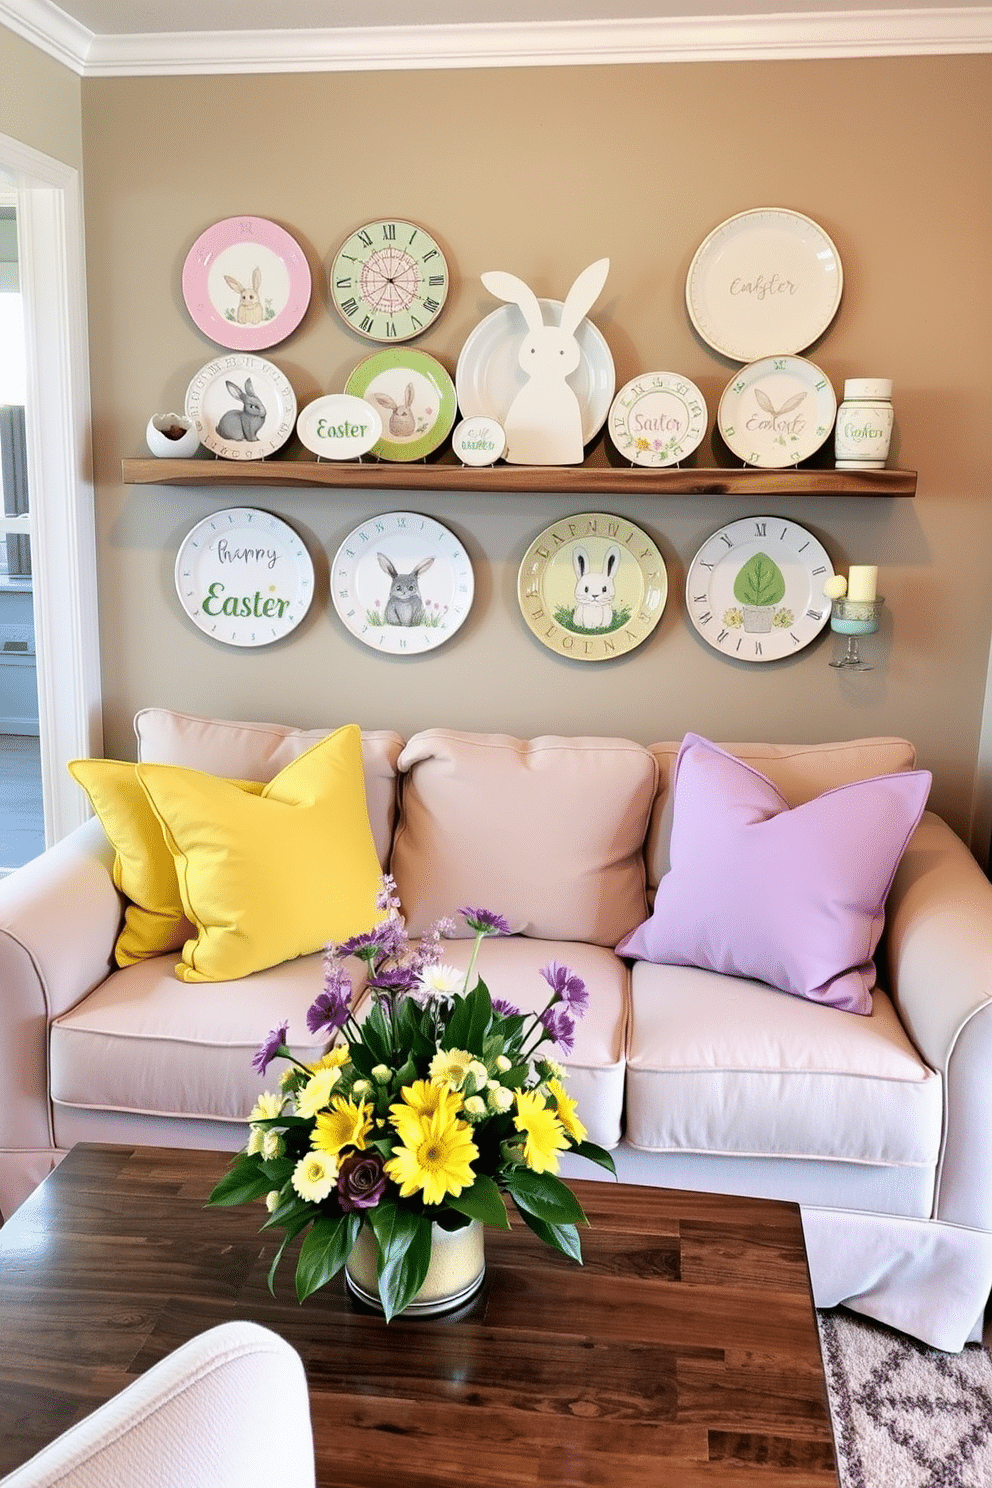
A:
(905, 32)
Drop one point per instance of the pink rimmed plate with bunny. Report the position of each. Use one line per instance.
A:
(592, 586)
(401, 583)
(246, 283)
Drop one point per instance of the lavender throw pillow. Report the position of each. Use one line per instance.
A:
(790, 896)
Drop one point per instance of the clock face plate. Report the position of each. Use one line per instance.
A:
(754, 590)
(389, 280)
(244, 577)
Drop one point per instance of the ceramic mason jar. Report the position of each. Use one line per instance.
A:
(864, 424)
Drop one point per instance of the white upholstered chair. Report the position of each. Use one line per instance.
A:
(230, 1409)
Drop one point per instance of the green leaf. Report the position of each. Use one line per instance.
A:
(470, 1021)
(545, 1196)
(515, 1078)
(597, 1155)
(560, 1237)
(378, 1035)
(482, 1201)
(324, 1252)
(244, 1182)
(404, 1254)
(277, 1170)
(760, 581)
(289, 1210)
(275, 1264)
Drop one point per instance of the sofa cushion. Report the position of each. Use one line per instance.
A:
(548, 832)
(799, 771)
(793, 896)
(265, 878)
(726, 1065)
(144, 1042)
(511, 968)
(144, 869)
(257, 751)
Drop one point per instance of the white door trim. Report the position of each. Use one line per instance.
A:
(57, 424)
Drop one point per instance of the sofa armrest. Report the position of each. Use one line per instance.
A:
(939, 931)
(60, 916)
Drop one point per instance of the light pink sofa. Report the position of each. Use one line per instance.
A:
(879, 1127)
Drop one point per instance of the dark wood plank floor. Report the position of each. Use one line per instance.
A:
(684, 1352)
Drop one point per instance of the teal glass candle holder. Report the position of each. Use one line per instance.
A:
(855, 618)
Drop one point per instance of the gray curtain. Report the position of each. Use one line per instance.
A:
(14, 471)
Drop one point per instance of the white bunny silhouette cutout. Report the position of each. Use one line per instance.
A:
(543, 424)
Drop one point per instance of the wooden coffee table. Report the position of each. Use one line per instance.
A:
(684, 1351)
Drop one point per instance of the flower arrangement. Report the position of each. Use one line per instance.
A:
(434, 1108)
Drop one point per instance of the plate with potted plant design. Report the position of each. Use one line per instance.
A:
(754, 590)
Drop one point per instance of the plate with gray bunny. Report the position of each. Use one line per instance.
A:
(402, 583)
(244, 408)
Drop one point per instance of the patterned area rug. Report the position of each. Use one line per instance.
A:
(905, 1415)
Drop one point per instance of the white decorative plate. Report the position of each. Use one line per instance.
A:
(416, 398)
(777, 411)
(339, 426)
(488, 375)
(246, 283)
(244, 577)
(658, 419)
(754, 590)
(764, 282)
(592, 586)
(402, 583)
(478, 441)
(243, 407)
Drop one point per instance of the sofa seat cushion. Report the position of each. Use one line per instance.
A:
(144, 1042)
(547, 832)
(511, 969)
(726, 1065)
(258, 751)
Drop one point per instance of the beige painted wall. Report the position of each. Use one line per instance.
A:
(39, 101)
(541, 171)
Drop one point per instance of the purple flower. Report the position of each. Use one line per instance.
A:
(560, 1025)
(332, 1008)
(571, 989)
(387, 897)
(393, 978)
(504, 1009)
(268, 1051)
(361, 1181)
(387, 938)
(486, 922)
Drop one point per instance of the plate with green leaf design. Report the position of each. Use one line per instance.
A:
(754, 590)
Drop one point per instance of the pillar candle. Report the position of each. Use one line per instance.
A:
(861, 581)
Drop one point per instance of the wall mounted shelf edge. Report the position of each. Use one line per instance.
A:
(546, 479)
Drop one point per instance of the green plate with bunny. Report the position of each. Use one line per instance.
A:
(592, 586)
(415, 397)
(402, 583)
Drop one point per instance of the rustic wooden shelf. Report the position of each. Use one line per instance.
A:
(552, 480)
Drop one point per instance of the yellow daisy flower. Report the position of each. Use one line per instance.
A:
(333, 1059)
(316, 1093)
(423, 1098)
(565, 1111)
(436, 1156)
(267, 1107)
(345, 1125)
(545, 1136)
(450, 1066)
(314, 1176)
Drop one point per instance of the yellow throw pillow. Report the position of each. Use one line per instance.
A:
(270, 877)
(144, 870)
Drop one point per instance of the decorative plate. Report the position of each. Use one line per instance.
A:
(402, 583)
(246, 283)
(339, 427)
(478, 441)
(754, 591)
(244, 577)
(488, 375)
(592, 586)
(764, 282)
(415, 396)
(243, 407)
(777, 412)
(389, 280)
(658, 419)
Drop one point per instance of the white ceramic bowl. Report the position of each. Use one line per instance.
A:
(172, 436)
